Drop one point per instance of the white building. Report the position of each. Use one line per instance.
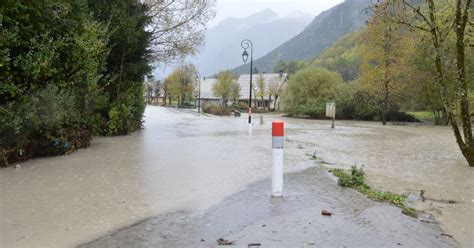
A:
(274, 82)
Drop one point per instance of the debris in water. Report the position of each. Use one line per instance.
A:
(447, 235)
(326, 213)
(222, 241)
(253, 244)
(264, 225)
(202, 240)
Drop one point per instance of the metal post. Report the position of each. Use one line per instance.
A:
(250, 94)
(277, 158)
(245, 44)
(199, 99)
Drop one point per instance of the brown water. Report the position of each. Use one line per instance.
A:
(185, 161)
(179, 161)
(401, 159)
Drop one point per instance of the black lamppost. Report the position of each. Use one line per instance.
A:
(199, 97)
(245, 44)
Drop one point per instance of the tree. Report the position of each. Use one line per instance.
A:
(180, 83)
(382, 48)
(260, 87)
(309, 90)
(274, 89)
(177, 27)
(437, 20)
(224, 86)
(52, 54)
(235, 92)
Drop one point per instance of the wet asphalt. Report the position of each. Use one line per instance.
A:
(253, 217)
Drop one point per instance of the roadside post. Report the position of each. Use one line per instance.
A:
(277, 158)
(331, 111)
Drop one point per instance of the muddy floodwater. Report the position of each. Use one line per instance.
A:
(182, 161)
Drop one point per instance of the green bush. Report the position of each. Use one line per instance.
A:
(217, 110)
(355, 178)
(309, 90)
(47, 123)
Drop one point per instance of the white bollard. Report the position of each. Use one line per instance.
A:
(277, 157)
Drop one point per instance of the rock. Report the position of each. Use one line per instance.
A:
(222, 241)
(326, 213)
(253, 244)
(416, 196)
(17, 166)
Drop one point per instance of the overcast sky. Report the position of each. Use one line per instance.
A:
(243, 8)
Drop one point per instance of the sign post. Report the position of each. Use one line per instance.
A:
(277, 157)
(331, 111)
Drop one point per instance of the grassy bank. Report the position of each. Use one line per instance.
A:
(355, 178)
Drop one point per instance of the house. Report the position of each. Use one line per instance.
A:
(207, 95)
(274, 83)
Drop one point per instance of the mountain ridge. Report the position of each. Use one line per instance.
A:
(321, 33)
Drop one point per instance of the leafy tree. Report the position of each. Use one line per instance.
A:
(274, 89)
(177, 26)
(260, 87)
(51, 58)
(437, 20)
(382, 49)
(309, 90)
(235, 92)
(224, 87)
(86, 60)
(180, 83)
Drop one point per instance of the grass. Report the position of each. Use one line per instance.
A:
(423, 115)
(355, 178)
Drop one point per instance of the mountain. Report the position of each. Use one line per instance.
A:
(265, 29)
(324, 30)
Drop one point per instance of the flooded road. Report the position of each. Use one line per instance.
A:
(179, 161)
(401, 159)
(253, 217)
(185, 162)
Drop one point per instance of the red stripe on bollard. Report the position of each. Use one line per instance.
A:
(277, 128)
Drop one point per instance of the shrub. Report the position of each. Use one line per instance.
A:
(216, 110)
(356, 179)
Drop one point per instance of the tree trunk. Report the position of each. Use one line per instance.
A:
(460, 26)
(466, 148)
(386, 79)
(461, 71)
(269, 102)
(275, 103)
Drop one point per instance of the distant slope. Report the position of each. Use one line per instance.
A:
(266, 29)
(342, 56)
(324, 30)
